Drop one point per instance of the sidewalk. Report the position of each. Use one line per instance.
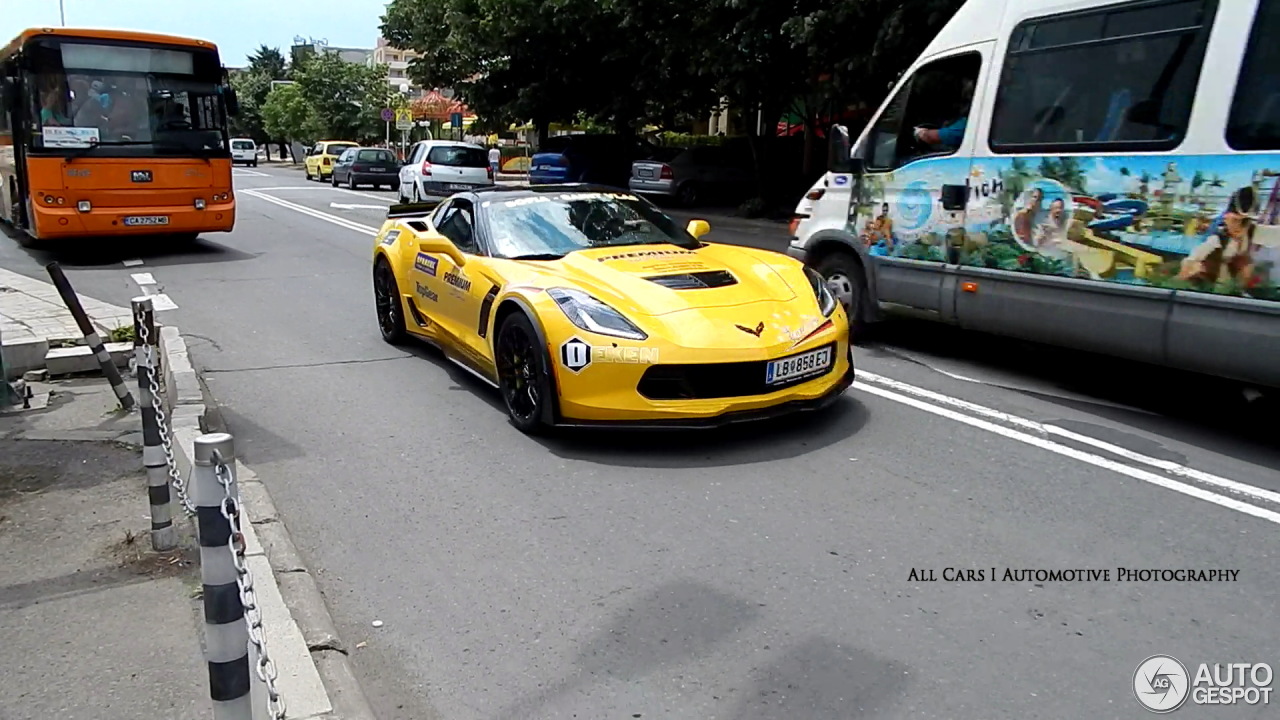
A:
(33, 320)
(96, 625)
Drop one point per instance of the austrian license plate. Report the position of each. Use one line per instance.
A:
(813, 362)
(147, 220)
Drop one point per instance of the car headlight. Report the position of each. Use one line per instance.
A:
(594, 316)
(826, 300)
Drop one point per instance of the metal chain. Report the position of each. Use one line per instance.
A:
(162, 419)
(248, 596)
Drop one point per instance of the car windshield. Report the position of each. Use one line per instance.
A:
(141, 99)
(556, 224)
(459, 156)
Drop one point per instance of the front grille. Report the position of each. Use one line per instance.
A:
(696, 281)
(715, 380)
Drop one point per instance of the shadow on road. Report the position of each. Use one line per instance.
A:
(157, 251)
(1199, 410)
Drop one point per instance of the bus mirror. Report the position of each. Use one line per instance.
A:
(233, 102)
(840, 150)
(8, 92)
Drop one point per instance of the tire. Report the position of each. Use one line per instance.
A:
(847, 280)
(253, 164)
(524, 374)
(388, 304)
(687, 195)
(416, 197)
(351, 182)
(395, 187)
(333, 179)
(306, 171)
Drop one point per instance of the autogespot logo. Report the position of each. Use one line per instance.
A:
(1161, 683)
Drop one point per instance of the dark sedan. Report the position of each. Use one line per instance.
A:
(367, 166)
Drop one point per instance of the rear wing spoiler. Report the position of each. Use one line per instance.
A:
(418, 209)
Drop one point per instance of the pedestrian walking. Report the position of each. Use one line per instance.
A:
(495, 160)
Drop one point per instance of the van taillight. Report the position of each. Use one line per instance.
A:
(815, 194)
(667, 173)
(426, 168)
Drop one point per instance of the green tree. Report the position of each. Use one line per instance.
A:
(345, 98)
(287, 114)
(268, 61)
(252, 87)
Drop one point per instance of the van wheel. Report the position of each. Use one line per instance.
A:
(847, 281)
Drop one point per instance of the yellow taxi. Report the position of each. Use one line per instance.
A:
(322, 157)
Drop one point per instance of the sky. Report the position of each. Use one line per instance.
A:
(237, 27)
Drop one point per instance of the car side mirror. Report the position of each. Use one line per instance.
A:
(441, 245)
(698, 228)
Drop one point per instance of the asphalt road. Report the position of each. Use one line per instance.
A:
(760, 572)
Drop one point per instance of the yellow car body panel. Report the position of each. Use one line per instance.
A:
(770, 313)
(321, 166)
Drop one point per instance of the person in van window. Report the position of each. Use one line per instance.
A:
(1228, 254)
(949, 136)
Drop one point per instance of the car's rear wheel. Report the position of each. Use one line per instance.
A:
(524, 373)
(417, 198)
(688, 194)
(333, 179)
(351, 181)
(388, 303)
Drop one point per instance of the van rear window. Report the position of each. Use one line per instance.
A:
(241, 145)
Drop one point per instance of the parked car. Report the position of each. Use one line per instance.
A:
(602, 159)
(443, 167)
(693, 174)
(244, 150)
(367, 166)
(322, 155)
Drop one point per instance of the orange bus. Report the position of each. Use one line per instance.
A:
(110, 133)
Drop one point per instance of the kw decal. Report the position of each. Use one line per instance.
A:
(424, 263)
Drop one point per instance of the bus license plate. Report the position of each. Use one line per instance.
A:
(797, 366)
(147, 220)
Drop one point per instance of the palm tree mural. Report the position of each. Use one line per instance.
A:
(1065, 170)
(1015, 180)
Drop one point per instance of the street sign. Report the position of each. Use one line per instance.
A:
(388, 114)
(455, 119)
(404, 119)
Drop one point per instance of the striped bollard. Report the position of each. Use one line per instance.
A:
(72, 301)
(164, 536)
(226, 634)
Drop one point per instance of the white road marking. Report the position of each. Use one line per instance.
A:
(344, 206)
(1082, 456)
(132, 263)
(388, 200)
(248, 173)
(1046, 430)
(341, 222)
(159, 301)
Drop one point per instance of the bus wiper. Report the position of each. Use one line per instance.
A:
(81, 152)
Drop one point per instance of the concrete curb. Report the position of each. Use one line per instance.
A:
(314, 672)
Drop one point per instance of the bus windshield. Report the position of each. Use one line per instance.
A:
(125, 99)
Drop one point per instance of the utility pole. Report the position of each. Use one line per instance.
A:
(62, 10)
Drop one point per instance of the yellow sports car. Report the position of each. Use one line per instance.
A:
(587, 306)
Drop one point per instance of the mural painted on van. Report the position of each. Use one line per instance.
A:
(1203, 223)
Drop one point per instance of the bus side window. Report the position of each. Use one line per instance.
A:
(1255, 110)
(936, 100)
(1116, 78)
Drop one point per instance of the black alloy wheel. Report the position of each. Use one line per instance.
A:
(523, 373)
(388, 303)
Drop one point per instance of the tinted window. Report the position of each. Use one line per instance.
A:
(242, 144)
(1255, 112)
(560, 223)
(338, 148)
(458, 156)
(346, 156)
(1118, 78)
(458, 224)
(376, 156)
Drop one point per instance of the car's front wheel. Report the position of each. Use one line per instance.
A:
(388, 303)
(524, 374)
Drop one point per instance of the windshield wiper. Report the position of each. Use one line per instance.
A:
(536, 256)
(81, 152)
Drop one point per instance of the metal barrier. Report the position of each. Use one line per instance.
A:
(233, 619)
(91, 338)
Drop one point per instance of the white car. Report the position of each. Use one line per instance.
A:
(443, 167)
(244, 150)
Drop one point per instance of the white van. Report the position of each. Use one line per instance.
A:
(1095, 174)
(244, 150)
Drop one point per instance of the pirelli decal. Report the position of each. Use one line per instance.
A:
(486, 307)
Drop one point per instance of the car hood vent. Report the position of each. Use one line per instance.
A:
(696, 281)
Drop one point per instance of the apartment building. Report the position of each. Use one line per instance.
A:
(397, 62)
